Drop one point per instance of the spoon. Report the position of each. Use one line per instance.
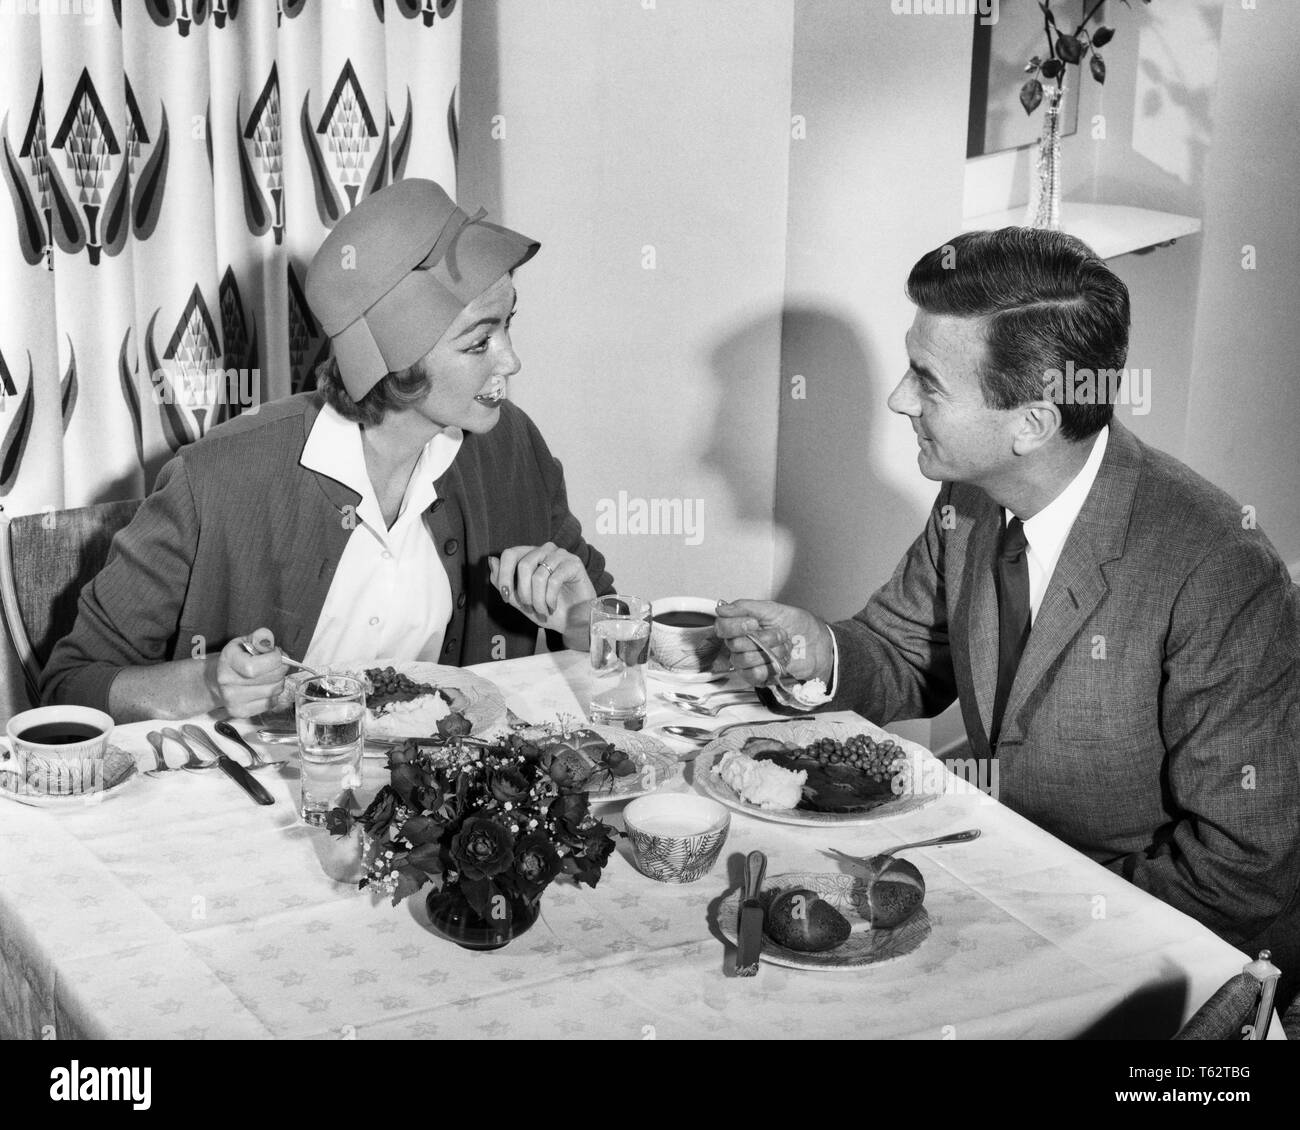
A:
(194, 762)
(872, 861)
(745, 693)
(689, 733)
(703, 736)
(155, 740)
(226, 730)
(701, 708)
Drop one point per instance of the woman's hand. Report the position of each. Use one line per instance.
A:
(248, 684)
(548, 585)
(241, 683)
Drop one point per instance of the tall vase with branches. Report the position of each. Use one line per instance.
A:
(1063, 49)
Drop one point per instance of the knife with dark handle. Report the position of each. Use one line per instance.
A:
(749, 942)
(236, 772)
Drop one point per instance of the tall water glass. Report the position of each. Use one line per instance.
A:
(620, 643)
(331, 712)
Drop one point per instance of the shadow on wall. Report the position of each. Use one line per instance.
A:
(849, 525)
(1164, 113)
(741, 361)
(839, 528)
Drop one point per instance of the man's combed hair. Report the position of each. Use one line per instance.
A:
(1048, 300)
(393, 393)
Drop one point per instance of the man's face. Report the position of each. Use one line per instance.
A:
(961, 439)
(471, 363)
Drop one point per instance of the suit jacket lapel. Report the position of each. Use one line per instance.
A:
(1078, 583)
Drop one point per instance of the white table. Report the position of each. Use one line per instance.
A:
(179, 909)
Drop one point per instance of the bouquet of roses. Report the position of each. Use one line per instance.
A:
(498, 818)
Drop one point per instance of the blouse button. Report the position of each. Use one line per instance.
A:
(374, 620)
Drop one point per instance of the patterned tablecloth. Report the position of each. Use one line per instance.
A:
(179, 909)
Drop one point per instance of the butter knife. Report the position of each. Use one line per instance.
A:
(236, 772)
(750, 931)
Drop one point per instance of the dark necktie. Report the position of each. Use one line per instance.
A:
(1012, 575)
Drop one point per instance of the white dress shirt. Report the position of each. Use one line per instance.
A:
(1048, 530)
(390, 597)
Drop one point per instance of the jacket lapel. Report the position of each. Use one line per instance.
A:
(321, 535)
(1078, 583)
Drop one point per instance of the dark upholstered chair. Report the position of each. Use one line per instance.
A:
(45, 559)
(1242, 1008)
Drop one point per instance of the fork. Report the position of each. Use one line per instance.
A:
(783, 694)
(194, 762)
(251, 650)
(868, 860)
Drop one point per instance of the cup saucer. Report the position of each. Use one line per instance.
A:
(120, 767)
(684, 678)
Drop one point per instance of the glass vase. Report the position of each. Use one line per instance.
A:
(1045, 177)
(452, 917)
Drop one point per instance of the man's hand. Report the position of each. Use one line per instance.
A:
(248, 684)
(548, 585)
(799, 639)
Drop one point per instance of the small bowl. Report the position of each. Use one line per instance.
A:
(676, 837)
(64, 768)
(684, 650)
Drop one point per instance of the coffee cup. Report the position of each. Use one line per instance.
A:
(57, 750)
(684, 635)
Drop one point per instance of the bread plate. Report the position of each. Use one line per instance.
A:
(864, 946)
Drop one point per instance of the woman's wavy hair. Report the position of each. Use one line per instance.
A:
(393, 393)
(1047, 299)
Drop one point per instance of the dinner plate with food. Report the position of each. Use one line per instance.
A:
(612, 763)
(814, 772)
(407, 698)
(829, 920)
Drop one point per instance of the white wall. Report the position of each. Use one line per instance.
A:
(1244, 410)
(627, 128)
(876, 182)
(671, 126)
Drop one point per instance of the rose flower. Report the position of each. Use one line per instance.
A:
(482, 848)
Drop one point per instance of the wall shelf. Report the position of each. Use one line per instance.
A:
(1110, 230)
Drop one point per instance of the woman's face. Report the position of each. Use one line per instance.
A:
(471, 363)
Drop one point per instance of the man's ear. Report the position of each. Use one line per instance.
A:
(1040, 420)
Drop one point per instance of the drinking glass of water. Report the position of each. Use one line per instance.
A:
(331, 713)
(620, 643)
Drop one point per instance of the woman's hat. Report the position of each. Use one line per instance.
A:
(397, 270)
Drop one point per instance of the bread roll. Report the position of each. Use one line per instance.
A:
(893, 894)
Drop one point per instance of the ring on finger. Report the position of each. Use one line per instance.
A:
(544, 565)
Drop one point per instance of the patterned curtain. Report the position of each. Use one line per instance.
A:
(170, 167)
